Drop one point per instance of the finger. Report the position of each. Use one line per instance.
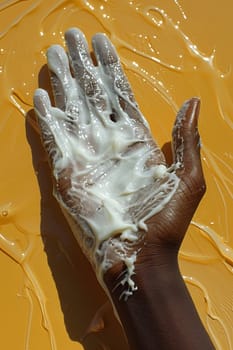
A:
(186, 140)
(108, 59)
(61, 78)
(114, 75)
(109, 62)
(81, 62)
(43, 108)
(64, 86)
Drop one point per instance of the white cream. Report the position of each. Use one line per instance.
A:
(112, 186)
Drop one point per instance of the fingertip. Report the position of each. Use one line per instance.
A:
(54, 49)
(38, 95)
(194, 99)
(189, 112)
(74, 37)
(99, 38)
(41, 102)
(104, 49)
(70, 31)
(57, 60)
(73, 32)
(193, 111)
(194, 103)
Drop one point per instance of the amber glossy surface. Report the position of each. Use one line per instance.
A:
(171, 50)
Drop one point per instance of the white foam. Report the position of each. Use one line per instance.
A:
(114, 188)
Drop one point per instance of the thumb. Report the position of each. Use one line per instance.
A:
(186, 143)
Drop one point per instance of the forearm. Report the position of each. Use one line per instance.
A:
(161, 314)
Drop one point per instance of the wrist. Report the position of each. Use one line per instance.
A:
(154, 266)
(149, 279)
(160, 314)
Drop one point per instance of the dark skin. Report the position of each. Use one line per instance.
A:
(162, 301)
(160, 314)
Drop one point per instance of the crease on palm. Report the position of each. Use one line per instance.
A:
(110, 175)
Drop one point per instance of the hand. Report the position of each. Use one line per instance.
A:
(110, 177)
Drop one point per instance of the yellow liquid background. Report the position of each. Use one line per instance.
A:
(171, 50)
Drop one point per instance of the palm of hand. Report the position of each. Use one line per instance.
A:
(110, 176)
